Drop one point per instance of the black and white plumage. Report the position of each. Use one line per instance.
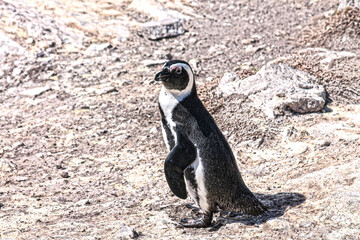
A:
(200, 161)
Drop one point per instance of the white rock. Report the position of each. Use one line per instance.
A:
(276, 89)
(247, 41)
(69, 140)
(105, 90)
(97, 47)
(328, 57)
(345, 3)
(252, 49)
(229, 83)
(296, 148)
(16, 72)
(34, 92)
(192, 41)
(125, 232)
(194, 63)
(153, 130)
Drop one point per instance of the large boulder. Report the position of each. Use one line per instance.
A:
(278, 88)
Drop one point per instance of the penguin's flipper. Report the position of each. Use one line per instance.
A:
(180, 157)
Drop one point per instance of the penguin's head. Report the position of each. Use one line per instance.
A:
(177, 77)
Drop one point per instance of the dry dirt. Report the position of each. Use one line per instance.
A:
(82, 157)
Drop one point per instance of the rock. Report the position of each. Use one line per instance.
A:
(106, 90)
(346, 3)
(256, 37)
(18, 145)
(40, 54)
(30, 41)
(228, 83)
(296, 148)
(276, 89)
(155, 30)
(27, 22)
(98, 47)
(252, 143)
(125, 82)
(153, 130)
(192, 41)
(34, 92)
(328, 57)
(21, 179)
(9, 47)
(252, 49)
(16, 72)
(46, 44)
(69, 140)
(324, 143)
(194, 63)
(64, 175)
(125, 233)
(279, 32)
(83, 202)
(248, 41)
(246, 65)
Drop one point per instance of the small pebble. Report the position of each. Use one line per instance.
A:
(324, 143)
(64, 175)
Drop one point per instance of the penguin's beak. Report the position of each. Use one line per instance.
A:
(162, 76)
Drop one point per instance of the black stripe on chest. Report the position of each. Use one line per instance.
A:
(169, 136)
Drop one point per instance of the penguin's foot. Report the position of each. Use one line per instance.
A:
(193, 207)
(197, 223)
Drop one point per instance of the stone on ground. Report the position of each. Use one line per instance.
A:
(346, 3)
(156, 30)
(277, 89)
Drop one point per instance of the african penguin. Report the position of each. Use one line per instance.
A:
(200, 161)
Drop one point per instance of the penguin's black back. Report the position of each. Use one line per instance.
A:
(224, 184)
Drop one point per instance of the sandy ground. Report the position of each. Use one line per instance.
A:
(81, 151)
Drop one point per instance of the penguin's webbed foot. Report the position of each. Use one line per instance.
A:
(197, 223)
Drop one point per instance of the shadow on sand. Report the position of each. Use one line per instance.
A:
(276, 205)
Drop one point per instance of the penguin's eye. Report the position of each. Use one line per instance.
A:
(177, 70)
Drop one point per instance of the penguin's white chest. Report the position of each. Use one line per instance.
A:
(199, 195)
(168, 102)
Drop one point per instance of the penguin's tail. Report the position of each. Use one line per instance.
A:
(249, 204)
(256, 208)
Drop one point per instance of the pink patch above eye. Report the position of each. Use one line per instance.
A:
(174, 69)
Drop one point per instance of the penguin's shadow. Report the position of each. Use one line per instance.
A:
(276, 204)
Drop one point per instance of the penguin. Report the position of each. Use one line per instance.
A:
(200, 161)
